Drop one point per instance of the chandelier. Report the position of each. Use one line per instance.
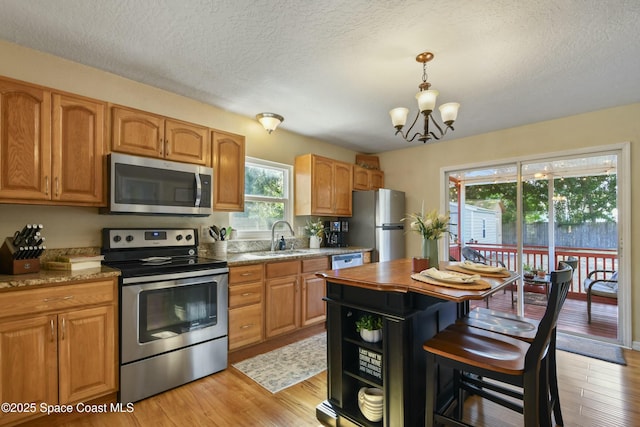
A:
(426, 102)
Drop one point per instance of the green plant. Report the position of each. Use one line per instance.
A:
(527, 267)
(369, 322)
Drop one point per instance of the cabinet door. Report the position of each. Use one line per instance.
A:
(360, 178)
(245, 325)
(138, 133)
(78, 150)
(343, 186)
(376, 180)
(228, 168)
(322, 186)
(313, 306)
(283, 306)
(87, 355)
(187, 143)
(25, 142)
(28, 364)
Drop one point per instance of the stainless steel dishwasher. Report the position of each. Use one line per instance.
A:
(346, 260)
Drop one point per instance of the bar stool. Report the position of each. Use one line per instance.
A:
(476, 355)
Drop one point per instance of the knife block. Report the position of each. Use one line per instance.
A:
(8, 265)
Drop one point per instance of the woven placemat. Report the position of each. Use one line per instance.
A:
(478, 285)
(459, 269)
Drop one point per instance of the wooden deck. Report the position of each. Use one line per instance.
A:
(573, 317)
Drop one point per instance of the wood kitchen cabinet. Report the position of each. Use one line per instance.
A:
(146, 134)
(51, 146)
(246, 301)
(322, 186)
(282, 286)
(57, 345)
(294, 295)
(228, 168)
(367, 179)
(313, 308)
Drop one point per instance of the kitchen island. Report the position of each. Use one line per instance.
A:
(411, 312)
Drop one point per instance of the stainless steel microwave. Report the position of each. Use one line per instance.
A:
(140, 185)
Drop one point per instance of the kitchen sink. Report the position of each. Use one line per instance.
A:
(275, 254)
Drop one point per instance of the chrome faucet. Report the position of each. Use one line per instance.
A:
(273, 230)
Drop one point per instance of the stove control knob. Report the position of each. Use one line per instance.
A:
(129, 238)
(179, 237)
(189, 237)
(117, 238)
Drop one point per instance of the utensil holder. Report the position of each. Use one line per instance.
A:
(220, 248)
(8, 265)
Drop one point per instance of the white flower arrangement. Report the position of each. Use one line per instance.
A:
(314, 228)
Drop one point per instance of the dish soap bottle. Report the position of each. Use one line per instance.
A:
(282, 245)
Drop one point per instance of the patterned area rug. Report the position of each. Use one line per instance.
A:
(590, 348)
(286, 366)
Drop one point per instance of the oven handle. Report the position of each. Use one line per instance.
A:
(164, 284)
(174, 276)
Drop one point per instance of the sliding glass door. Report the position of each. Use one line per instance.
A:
(529, 215)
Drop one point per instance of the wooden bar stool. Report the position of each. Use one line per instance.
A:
(523, 328)
(478, 356)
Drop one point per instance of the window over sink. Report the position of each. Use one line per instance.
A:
(267, 198)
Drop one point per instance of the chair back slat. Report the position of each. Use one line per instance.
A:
(560, 284)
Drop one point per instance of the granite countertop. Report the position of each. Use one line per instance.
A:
(12, 282)
(243, 258)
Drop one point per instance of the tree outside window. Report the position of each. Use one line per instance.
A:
(267, 198)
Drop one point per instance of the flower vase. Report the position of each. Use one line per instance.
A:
(314, 242)
(430, 251)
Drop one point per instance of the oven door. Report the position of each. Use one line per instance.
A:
(161, 316)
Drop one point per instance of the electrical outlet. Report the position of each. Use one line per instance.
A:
(204, 234)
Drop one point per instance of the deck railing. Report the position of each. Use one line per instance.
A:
(538, 256)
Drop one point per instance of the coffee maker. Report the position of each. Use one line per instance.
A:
(337, 233)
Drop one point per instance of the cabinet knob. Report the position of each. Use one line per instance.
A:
(46, 185)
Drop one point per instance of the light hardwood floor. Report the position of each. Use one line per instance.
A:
(593, 393)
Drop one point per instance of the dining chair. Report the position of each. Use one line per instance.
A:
(477, 354)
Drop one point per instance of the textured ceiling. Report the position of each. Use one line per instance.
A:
(334, 68)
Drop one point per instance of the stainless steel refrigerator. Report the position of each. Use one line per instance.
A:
(377, 223)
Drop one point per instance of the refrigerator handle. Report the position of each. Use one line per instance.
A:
(392, 226)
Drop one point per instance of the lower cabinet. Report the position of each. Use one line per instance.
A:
(312, 302)
(246, 301)
(57, 346)
(282, 297)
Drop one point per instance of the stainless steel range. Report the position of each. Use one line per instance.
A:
(173, 309)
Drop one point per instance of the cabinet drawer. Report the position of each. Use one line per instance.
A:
(245, 326)
(56, 298)
(315, 264)
(245, 273)
(282, 269)
(246, 294)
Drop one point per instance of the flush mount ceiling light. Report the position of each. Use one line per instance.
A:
(426, 102)
(270, 121)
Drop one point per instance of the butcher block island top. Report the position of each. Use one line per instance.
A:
(395, 276)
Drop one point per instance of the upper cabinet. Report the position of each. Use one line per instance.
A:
(51, 146)
(145, 134)
(367, 179)
(228, 170)
(322, 186)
